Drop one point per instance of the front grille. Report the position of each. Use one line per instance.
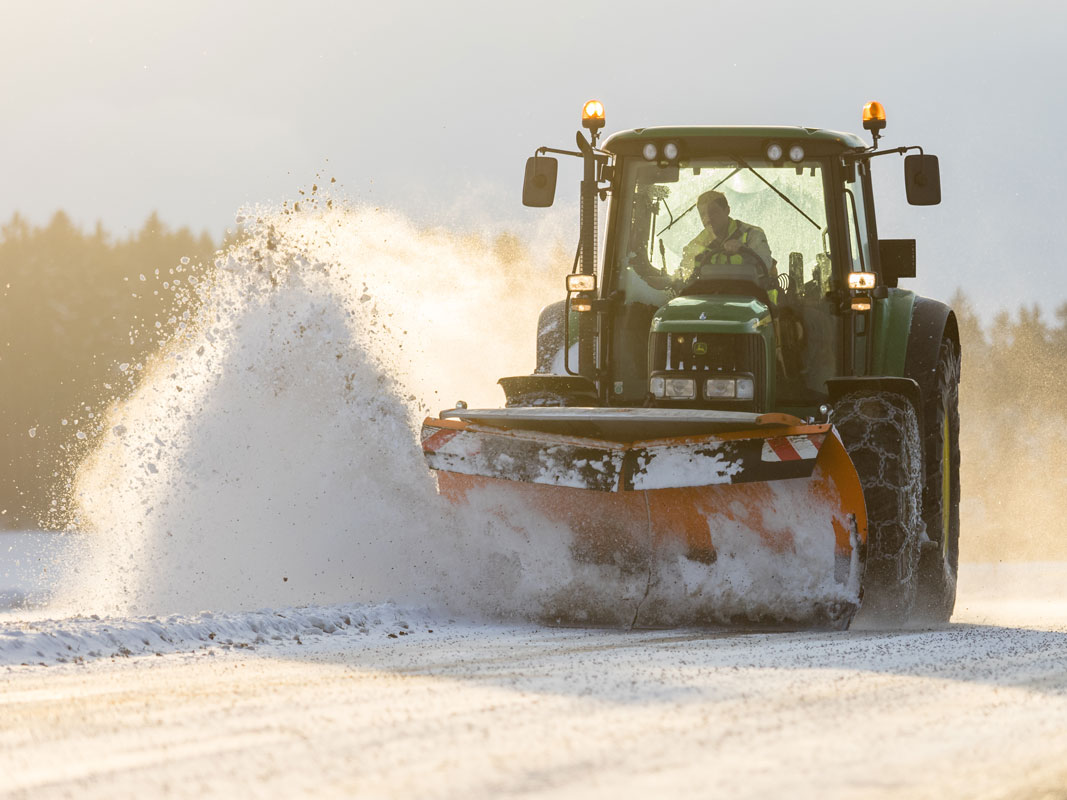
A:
(704, 355)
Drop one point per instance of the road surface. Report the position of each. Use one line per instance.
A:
(382, 707)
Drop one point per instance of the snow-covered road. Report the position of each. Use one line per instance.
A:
(383, 707)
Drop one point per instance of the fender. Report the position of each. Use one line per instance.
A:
(838, 387)
(909, 387)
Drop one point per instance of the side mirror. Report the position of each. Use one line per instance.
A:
(922, 180)
(539, 185)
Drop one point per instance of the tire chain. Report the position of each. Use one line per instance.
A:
(881, 435)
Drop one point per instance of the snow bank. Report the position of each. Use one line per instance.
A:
(81, 639)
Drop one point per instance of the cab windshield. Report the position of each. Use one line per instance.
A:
(774, 212)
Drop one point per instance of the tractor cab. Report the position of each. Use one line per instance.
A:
(741, 269)
(740, 317)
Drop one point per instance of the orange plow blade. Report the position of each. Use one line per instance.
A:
(762, 524)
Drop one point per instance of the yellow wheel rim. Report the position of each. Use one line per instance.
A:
(946, 480)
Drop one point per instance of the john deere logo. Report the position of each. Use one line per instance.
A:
(700, 348)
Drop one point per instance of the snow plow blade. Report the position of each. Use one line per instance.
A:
(752, 498)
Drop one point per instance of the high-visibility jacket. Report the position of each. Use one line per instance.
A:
(752, 239)
(705, 251)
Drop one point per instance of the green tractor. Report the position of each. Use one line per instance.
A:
(740, 372)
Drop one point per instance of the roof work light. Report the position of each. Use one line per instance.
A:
(593, 115)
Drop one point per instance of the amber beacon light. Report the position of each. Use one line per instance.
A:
(874, 118)
(593, 115)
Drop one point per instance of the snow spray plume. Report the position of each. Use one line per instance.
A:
(269, 454)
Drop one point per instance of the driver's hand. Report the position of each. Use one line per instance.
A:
(731, 246)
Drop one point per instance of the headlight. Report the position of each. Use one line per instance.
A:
(729, 389)
(862, 281)
(796, 153)
(681, 388)
(673, 388)
(649, 151)
(581, 283)
(720, 387)
(774, 152)
(670, 151)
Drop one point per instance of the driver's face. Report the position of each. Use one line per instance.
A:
(713, 215)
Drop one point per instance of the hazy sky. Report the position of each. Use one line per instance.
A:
(113, 109)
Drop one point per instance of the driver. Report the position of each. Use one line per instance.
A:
(725, 240)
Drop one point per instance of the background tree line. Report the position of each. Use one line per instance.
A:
(80, 312)
(74, 308)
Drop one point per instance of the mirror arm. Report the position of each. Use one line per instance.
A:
(598, 155)
(868, 154)
(540, 151)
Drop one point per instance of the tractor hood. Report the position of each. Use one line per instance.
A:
(712, 314)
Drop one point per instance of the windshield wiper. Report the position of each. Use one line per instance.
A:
(669, 214)
(775, 189)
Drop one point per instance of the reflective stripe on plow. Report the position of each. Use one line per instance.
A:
(790, 448)
(779, 449)
(438, 439)
(806, 446)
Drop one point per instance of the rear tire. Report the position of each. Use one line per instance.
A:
(939, 562)
(880, 431)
